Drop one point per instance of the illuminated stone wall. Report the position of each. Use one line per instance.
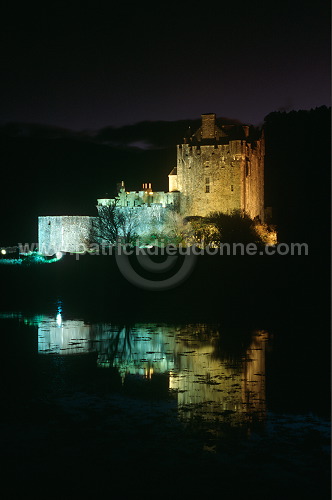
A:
(72, 233)
(63, 233)
(213, 169)
(216, 172)
(149, 219)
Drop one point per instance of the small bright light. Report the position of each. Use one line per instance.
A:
(3, 251)
(58, 255)
(59, 319)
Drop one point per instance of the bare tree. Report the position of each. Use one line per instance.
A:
(128, 224)
(115, 224)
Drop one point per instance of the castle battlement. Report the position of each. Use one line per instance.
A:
(144, 197)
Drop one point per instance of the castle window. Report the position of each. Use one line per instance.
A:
(232, 187)
(207, 184)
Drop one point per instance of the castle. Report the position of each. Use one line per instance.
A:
(217, 169)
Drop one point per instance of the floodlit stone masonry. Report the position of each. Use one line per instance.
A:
(219, 169)
(63, 233)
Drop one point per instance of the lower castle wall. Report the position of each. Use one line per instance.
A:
(63, 233)
(150, 219)
(72, 233)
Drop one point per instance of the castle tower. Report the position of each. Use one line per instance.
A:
(220, 169)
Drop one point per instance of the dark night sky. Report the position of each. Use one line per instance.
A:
(85, 68)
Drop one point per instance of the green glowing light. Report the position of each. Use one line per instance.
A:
(11, 261)
(31, 259)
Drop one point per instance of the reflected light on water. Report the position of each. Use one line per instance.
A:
(59, 319)
(205, 385)
(211, 388)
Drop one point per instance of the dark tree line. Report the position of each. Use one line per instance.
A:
(298, 175)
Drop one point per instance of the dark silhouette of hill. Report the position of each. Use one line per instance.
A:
(147, 134)
(158, 134)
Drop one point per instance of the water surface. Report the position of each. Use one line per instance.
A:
(185, 395)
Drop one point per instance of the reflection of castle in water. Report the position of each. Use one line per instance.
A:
(206, 386)
(209, 387)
